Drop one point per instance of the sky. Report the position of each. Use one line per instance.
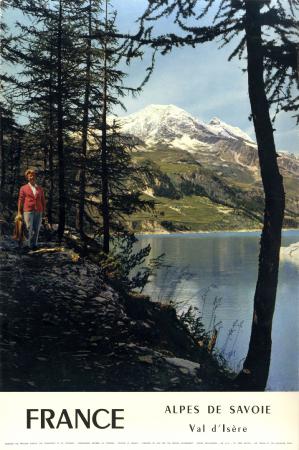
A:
(200, 80)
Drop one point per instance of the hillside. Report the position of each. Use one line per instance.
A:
(63, 328)
(204, 176)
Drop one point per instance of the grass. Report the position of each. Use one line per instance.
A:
(194, 213)
(291, 185)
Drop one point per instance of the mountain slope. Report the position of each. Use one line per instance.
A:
(192, 160)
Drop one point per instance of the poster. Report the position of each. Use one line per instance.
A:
(85, 366)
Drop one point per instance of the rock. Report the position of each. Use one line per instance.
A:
(70, 331)
(100, 299)
(81, 292)
(174, 380)
(148, 359)
(184, 365)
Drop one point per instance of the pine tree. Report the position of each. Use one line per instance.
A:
(119, 191)
(50, 90)
(68, 86)
(104, 165)
(85, 123)
(11, 134)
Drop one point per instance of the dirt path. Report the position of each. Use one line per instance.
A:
(63, 329)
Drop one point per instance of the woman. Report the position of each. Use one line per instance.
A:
(32, 204)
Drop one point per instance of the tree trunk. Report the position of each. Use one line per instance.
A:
(16, 154)
(11, 170)
(18, 158)
(256, 366)
(2, 152)
(85, 123)
(60, 147)
(51, 147)
(105, 177)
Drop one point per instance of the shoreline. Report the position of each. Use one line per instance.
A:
(175, 233)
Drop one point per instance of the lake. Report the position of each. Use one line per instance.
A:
(217, 273)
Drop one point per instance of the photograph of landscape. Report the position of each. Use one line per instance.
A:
(149, 214)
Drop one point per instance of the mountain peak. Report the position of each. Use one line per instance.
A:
(215, 121)
(168, 107)
(175, 126)
(160, 110)
(228, 131)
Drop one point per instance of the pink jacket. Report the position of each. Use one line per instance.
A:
(29, 202)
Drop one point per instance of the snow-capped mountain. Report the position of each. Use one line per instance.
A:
(191, 159)
(168, 123)
(215, 144)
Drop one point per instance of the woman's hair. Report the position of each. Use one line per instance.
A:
(29, 171)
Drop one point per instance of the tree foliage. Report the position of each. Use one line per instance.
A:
(66, 84)
(226, 20)
(265, 31)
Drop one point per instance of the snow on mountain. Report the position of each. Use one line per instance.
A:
(224, 130)
(216, 142)
(162, 122)
(179, 128)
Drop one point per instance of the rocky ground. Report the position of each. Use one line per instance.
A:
(64, 329)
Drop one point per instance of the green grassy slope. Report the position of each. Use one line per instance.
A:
(190, 197)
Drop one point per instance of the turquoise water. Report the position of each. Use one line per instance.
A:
(217, 272)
